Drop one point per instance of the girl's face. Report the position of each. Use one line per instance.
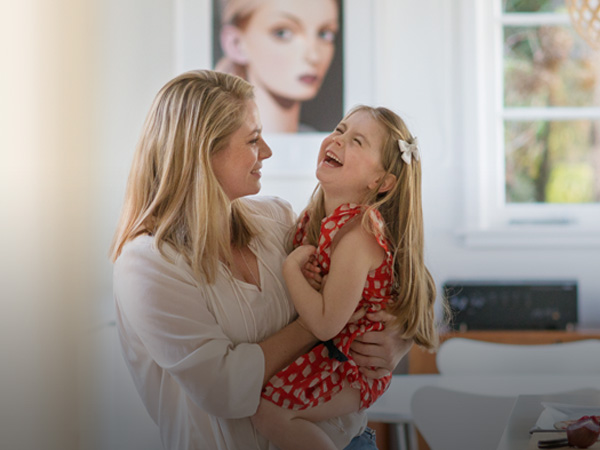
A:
(349, 164)
(237, 166)
(289, 45)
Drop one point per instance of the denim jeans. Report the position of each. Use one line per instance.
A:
(365, 441)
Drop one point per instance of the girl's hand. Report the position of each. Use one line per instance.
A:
(301, 255)
(377, 353)
(312, 273)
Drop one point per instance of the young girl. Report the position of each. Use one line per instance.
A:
(364, 224)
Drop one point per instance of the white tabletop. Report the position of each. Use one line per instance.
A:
(525, 413)
(394, 405)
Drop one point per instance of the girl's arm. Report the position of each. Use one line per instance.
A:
(325, 314)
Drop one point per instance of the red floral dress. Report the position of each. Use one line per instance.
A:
(317, 376)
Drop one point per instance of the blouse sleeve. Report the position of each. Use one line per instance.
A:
(161, 304)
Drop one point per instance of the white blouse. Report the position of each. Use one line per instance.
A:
(191, 347)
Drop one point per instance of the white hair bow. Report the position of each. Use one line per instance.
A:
(409, 151)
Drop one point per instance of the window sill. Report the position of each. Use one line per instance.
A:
(530, 236)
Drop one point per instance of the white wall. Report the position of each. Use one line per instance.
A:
(135, 57)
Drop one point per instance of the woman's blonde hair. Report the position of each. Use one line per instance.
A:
(172, 192)
(401, 209)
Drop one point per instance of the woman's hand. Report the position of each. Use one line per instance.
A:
(377, 353)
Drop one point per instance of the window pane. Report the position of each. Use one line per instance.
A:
(515, 6)
(552, 161)
(549, 66)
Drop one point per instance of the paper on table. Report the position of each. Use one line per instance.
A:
(556, 412)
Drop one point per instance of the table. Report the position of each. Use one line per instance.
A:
(525, 413)
(393, 407)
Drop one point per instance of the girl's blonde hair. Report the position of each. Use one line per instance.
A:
(401, 209)
(172, 192)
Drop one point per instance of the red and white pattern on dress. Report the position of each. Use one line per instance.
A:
(315, 377)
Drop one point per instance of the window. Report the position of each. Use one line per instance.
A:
(537, 114)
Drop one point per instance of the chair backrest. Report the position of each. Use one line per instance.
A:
(460, 356)
(453, 420)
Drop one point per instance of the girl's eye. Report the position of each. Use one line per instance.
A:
(327, 35)
(358, 141)
(338, 130)
(285, 34)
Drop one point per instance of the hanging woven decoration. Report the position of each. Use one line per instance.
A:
(585, 16)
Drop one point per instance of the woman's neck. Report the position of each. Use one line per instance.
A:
(278, 115)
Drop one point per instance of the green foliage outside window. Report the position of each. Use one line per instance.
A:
(550, 161)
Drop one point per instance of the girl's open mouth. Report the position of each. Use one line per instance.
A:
(332, 160)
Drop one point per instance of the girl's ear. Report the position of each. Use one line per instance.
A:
(389, 180)
(232, 44)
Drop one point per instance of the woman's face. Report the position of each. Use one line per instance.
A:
(289, 45)
(237, 166)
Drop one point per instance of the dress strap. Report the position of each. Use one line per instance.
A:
(300, 234)
(379, 229)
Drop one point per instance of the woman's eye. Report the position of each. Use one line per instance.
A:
(285, 34)
(327, 35)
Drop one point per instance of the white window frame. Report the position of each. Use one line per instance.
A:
(489, 221)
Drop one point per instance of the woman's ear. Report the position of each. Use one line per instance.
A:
(389, 180)
(231, 42)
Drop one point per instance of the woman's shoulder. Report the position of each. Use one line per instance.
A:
(142, 268)
(141, 247)
(274, 208)
(137, 254)
(141, 254)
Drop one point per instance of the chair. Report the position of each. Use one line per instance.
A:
(453, 420)
(460, 356)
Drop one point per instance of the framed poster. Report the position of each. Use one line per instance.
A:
(347, 79)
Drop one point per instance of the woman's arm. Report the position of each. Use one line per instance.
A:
(325, 314)
(283, 347)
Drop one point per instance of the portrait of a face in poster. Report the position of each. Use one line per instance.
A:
(291, 51)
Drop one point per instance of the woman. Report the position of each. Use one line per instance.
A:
(203, 316)
(284, 48)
